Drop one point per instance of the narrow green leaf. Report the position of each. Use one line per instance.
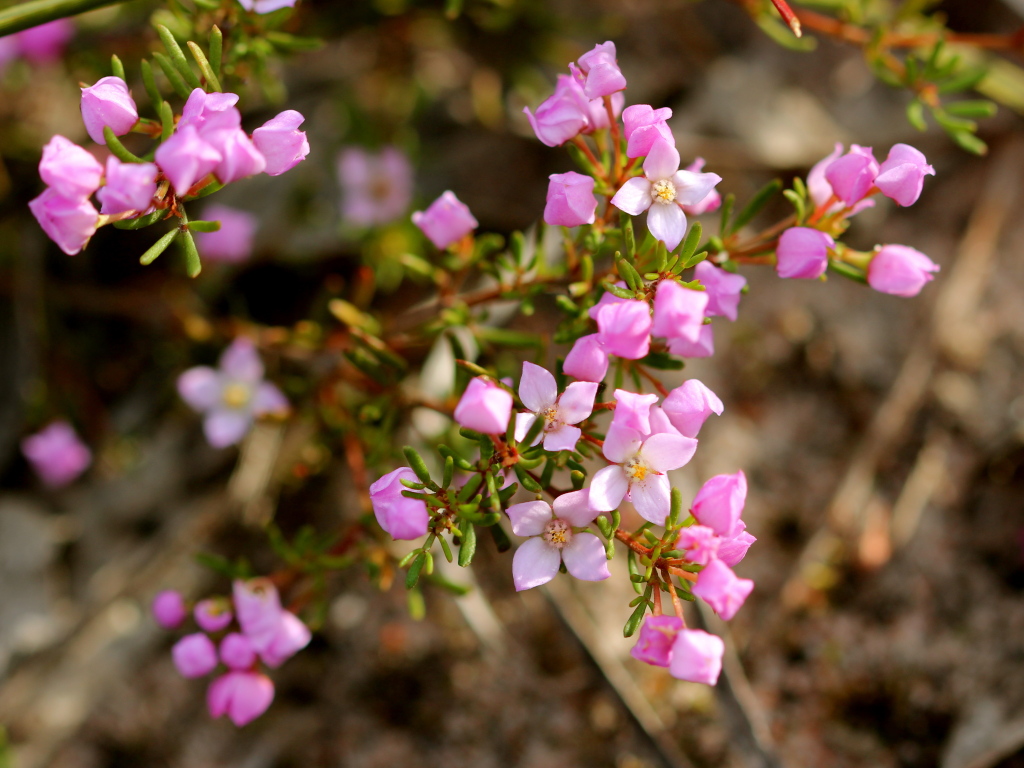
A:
(171, 74)
(635, 619)
(577, 479)
(117, 67)
(141, 222)
(675, 508)
(193, 266)
(204, 226)
(449, 471)
(847, 270)
(177, 56)
(216, 49)
(691, 241)
(468, 547)
(412, 577)
(970, 142)
(629, 237)
(663, 361)
(417, 465)
(445, 548)
(798, 204)
(915, 115)
(166, 120)
(149, 81)
(694, 260)
(159, 246)
(972, 108)
(204, 66)
(723, 223)
(628, 273)
(964, 81)
(501, 540)
(117, 148)
(622, 293)
(757, 202)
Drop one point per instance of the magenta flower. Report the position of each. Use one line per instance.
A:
(817, 185)
(376, 188)
(239, 156)
(802, 253)
(697, 656)
(731, 551)
(900, 270)
(128, 187)
(570, 200)
(561, 116)
(108, 103)
(637, 470)
(185, 158)
(719, 503)
(599, 72)
(678, 311)
(291, 636)
(398, 515)
(281, 142)
(445, 221)
(169, 609)
(704, 346)
(654, 643)
(662, 190)
(597, 112)
(202, 108)
(901, 176)
(689, 405)
(713, 200)
(231, 396)
(587, 360)
(213, 614)
(242, 696)
(56, 454)
(69, 223)
(722, 589)
(266, 6)
(71, 171)
(236, 651)
(554, 539)
(233, 242)
(852, 175)
(194, 655)
(700, 542)
(276, 634)
(484, 407)
(723, 289)
(633, 410)
(642, 125)
(45, 43)
(539, 393)
(624, 326)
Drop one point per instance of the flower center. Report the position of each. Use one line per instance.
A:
(236, 395)
(663, 191)
(550, 416)
(557, 533)
(636, 469)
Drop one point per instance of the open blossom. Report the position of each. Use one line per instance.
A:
(599, 72)
(485, 407)
(56, 454)
(231, 396)
(69, 222)
(281, 142)
(678, 311)
(587, 360)
(169, 609)
(689, 405)
(711, 202)
(852, 175)
(108, 103)
(624, 326)
(704, 346)
(722, 589)
(719, 503)
(242, 696)
(638, 471)
(445, 221)
(700, 542)
(539, 393)
(554, 540)
(900, 270)
(723, 289)
(802, 253)
(128, 187)
(376, 188)
(233, 242)
(562, 115)
(642, 125)
(633, 410)
(901, 176)
(570, 200)
(398, 515)
(194, 655)
(662, 190)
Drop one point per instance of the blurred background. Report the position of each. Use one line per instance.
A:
(883, 437)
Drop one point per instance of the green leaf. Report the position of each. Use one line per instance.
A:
(418, 465)
(459, 590)
(177, 56)
(141, 222)
(287, 42)
(723, 223)
(193, 266)
(635, 619)
(159, 246)
(675, 508)
(445, 548)
(614, 290)
(216, 49)
(972, 108)
(964, 81)
(117, 148)
(412, 577)
(150, 84)
(204, 66)
(847, 270)
(172, 75)
(628, 273)
(694, 260)
(501, 540)
(663, 361)
(970, 142)
(915, 115)
(629, 237)
(798, 204)
(757, 202)
(468, 547)
(166, 120)
(117, 67)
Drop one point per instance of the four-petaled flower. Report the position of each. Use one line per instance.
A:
(539, 393)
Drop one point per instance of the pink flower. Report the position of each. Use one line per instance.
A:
(445, 221)
(642, 125)
(901, 176)
(853, 174)
(678, 311)
(701, 542)
(598, 113)
(128, 187)
(242, 696)
(689, 405)
(539, 393)
(561, 116)
(661, 192)
(722, 589)
(281, 142)
(212, 615)
(484, 407)
(202, 108)
(599, 72)
(723, 289)
(239, 156)
(398, 515)
(68, 222)
(817, 185)
(624, 326)
(185, 158)
(231, 396)
(376, 188)
(719, 503)
(697, 656)
(638, 469)
(900, 270)
(108, 103)
(633, 410)
(71, 171)
(258, 608)
(236, 651)
(802, 252)
(731, 551)
(169, 609)
(553, 541)
(587, 360)
(290, 637)
(570, 200)
(704, 346)
(233, 242)
(712, 202)
(194, 655)
(56, 454)
(654, 644)
(46, 42)
(266, 6)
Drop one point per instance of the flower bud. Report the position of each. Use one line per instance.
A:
(446, 220)
(485, 407)
(56, 454)
(258, 608)
(212, 615)
(108, 103)
(561, 116)
(900, 270)
(71, 171)
(169, 609)
(654, 645)
(236, 651)
(802, 252)
(398, 515)
(901, 176)
(853, 174)
(599, 72)
(719, 503)
(185, 158)
(642, 125)
(571, 200)
(720, 588)
(129, 187)
(587, 360)
(242, 696)
(194, 655)
(697, 656)
(281, 142)
(69, 223)
(689, 405)
(290, 637)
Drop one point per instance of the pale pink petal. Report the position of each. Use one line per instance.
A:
(529, 518)
(575, 508)
(633, 197)
(535, 563)
(667, 223)
(563, 438)
(200, 387)
(241, 361)
(577, 402)
(223, 427)
(692, 187)
(608, 488)
(621, 443)
(523, 423)
(268, 399)
(537, 388)
(652, 498)
(585, 558)
(662, 162)
(665, 451)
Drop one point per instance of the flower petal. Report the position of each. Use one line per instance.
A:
(577, 402)
(535, 563)
(665, 451)
(652, 498)
(608, 488)
(268, 399)
(537, 388)
(529, 518)
(633, 197)
(523, 423)
(200, 387)
(692, 187)
(620, 443)
(662, 162)
(585, 558)
(223, 427)
(667, 223)
(241, 361)
(563, 438)
(575, 507)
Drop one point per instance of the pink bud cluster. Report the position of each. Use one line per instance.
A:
(267, 636)
(57, 454)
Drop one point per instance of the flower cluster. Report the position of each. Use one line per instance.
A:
(267, 636)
